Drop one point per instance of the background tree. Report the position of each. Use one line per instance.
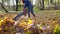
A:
(51, 1)
(16, 5)
(42, 4)
(2, 4)
(58, 1)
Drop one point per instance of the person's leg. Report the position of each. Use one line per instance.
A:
(29, 13)
(32, 12)
(15, 18)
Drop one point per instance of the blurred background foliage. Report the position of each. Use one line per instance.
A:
(17, 5)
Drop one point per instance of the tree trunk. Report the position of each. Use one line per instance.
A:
(42, 4)
(16, 5)
(58, 1)
(3, 6)
(51, 1)
(55, 4)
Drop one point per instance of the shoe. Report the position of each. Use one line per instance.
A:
(15, 19)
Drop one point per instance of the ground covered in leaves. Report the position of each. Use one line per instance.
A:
(46, 22)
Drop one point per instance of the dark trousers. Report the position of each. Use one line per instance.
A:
(30, 10)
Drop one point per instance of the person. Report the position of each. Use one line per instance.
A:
(28, 6)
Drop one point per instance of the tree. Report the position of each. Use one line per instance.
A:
(3, 6)
(42, 4)
(51, 1)
(58, 1)
(55, 4)
(16, 5)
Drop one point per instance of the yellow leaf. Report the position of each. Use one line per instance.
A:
(1, 22)
(56, 27)
(40, 27)
(30, 21)
(0, 28)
